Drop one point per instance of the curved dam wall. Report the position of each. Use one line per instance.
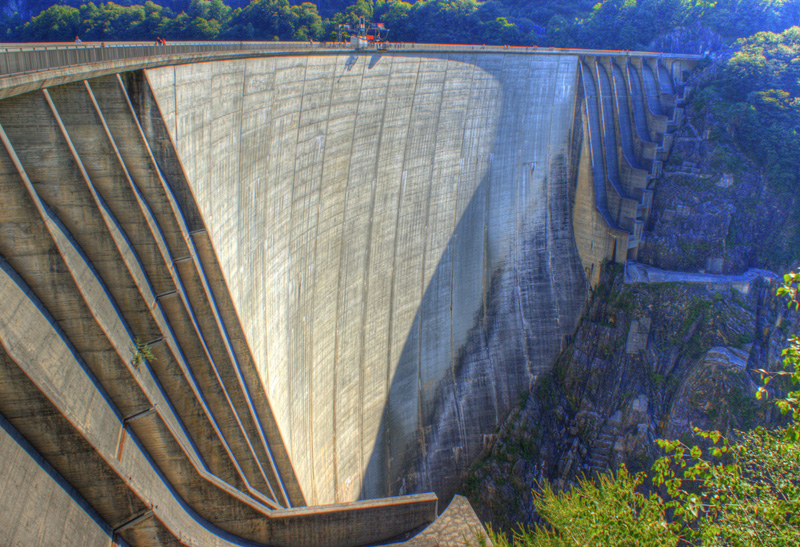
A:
(396, 234)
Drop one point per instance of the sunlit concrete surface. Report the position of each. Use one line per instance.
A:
(393, 230)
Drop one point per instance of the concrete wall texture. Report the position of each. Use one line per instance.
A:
(377, 218)
(286, 280)
(53, 513)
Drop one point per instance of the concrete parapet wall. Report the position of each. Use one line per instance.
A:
(39, 507)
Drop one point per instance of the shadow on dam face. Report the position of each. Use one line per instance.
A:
(396, 235)
(529, 299)
(527, 308)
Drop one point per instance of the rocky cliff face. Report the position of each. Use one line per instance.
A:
(647, 362)
(715, 211)
(653, 360)
(695, 39)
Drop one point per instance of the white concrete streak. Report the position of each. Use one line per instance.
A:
(359, 207)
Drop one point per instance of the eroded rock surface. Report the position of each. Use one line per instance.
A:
(647, 362)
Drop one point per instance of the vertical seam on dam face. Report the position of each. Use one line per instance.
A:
(313, 310)
(421, 312)
(337, 338)
(391, 238)
(387, 458)
(518, 206)
(331, 91)
(452, 364)
(367, 269)
(294, 435)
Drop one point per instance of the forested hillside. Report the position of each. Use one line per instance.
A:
(612, 24)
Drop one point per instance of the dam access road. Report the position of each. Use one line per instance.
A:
(251, 291)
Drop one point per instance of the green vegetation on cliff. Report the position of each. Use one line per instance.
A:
(647, 361)
(729, 195)
(757, 94)
(740, 490)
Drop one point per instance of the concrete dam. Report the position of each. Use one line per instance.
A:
(249, 293)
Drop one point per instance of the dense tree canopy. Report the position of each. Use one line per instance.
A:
(757, 93)
(200, 20)
(612, 24)
(274, 20)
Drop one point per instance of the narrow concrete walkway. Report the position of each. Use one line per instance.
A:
(641, 273)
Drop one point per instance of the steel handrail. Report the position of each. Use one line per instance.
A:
(24, 58)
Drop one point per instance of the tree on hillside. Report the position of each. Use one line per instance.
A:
(740, 18)
(110, 21)
(55, 24)
(27, 8)
(450, 22)
(758, 93)
(209, 10)
(274, 20)
(350, 16)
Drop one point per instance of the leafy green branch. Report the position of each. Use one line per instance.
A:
(790, 404)
(142, 353)
(742, 491)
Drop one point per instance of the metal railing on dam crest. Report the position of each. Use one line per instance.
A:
(23, 58)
